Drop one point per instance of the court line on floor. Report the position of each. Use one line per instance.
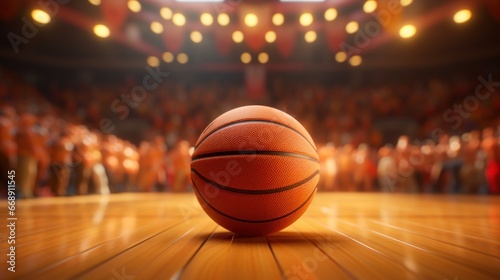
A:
(178, 274)
(282, 272)
(449, 231)
(432, 238)
(55, 264)
(369, 248)
(432, 252)
(328, 256)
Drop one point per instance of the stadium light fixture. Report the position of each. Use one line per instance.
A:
(310, 36)
(179, 19)
(462, 16)
(223, 19)
(278, 19)
(156, 27)
(355, 60)
(199, 1)
(40, 16)
(166, 13)
(206, 19)
(182, 58)
(196, 36)
(246, 57)
(330, 14)
(303, 1)
(352, 27)
(270, 36)
(405, 3)
(370, 6)
(306, 19)
(263, 57)
(153, 61)
(251, 20)
(340, 57)
(134, 5)
(238, 36)
(101, 30)
(168, 57)
(407, 31)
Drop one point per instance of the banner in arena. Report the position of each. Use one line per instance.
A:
(255, 35)
(494, 8)
(335, 34)
(255, 80)
(114, 12)
(223, 42)
(173, 37)
(285, 41)
(390, 15)
(10, 9)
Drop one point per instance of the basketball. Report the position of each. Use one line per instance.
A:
(255, 170)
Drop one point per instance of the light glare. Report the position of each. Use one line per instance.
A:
(330, 14)
(40, 16)
(101, 30)
(407, 31)
(306, 19)
(462, 16)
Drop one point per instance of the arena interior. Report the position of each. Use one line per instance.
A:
(105, 106)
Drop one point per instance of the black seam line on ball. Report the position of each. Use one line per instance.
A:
(271, 191)
(253, 221)
(253, 152)
(256, 121)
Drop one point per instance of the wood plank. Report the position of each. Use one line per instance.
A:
(342, 235)
(360, 259)
(464, 236)
(227, 256)
(300, 258)
(160, 257)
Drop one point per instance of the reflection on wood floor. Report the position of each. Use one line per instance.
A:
(341, 236)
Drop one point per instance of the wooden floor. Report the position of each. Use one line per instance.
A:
(341, 236)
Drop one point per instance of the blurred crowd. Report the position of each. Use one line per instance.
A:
(54, 140)
(468, 164)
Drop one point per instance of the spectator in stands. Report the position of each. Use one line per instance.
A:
(8, 149)
(491, 148)
(182, 164)
(60, 168)
(387, 171)
(365, 170)
(130, 166)
(471, 172)
(30, 151)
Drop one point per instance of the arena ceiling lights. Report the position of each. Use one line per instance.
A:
(302, 1)
(199, 1)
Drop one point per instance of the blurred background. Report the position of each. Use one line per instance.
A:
(105, 96)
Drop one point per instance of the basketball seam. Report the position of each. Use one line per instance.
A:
(253, 221)
(253, 152)
(271, 191)
(256, 121)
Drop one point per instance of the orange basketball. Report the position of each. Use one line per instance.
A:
(255, 170)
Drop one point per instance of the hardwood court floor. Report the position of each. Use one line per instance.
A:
(341, 236)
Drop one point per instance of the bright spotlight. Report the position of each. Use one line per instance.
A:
(40, 16)
(278, 19)
(251, 20)
(101, 30)
(237, 36)
(270, 36)
(407, 31)
(462, 16)
(306, 19)
(178, 19)
(330, 14)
